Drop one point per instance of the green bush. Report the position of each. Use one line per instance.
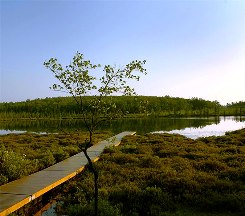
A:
(46, 159)
(14, 166)
(60, 155)
(3, 179)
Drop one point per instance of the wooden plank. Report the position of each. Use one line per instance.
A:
(18, 193)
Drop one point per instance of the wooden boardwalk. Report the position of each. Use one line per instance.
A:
(18, 193)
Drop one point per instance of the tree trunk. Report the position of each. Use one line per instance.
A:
(96, 176)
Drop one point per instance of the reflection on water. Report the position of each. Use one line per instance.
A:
(191, 127)
(216, 129)
(2, 132)
(146, 125)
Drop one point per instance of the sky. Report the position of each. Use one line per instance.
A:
(193, 48)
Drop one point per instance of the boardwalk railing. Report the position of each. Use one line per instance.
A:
(18, 193)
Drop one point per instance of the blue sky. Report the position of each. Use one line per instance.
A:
(193, 48)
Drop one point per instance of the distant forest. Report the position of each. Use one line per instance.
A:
(131, 106)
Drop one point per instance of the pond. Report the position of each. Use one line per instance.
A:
(215, 129)
(190, 127)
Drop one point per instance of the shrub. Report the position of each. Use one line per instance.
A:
(3, 179)
(47, 159)
(14, 166)
(60, 155)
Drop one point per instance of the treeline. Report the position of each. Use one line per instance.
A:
(66, 107)
(236, 108)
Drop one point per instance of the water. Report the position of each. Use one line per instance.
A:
(3, 132)
(50, 211)
(190, 127)
(219, 129)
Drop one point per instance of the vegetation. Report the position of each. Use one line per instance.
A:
(236, 108)
(24, 154)
(163, 174)
(66, 107)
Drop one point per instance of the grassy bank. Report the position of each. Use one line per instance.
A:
(24, 154)
(165, 174)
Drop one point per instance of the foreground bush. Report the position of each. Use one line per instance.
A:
(24, 154)
(165, 174)
(11, 165)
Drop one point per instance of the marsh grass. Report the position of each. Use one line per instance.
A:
(24, 154)
(165, 174)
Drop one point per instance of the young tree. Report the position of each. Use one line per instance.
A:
(77, 80)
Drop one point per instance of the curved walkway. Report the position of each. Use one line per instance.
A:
(18, 193)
